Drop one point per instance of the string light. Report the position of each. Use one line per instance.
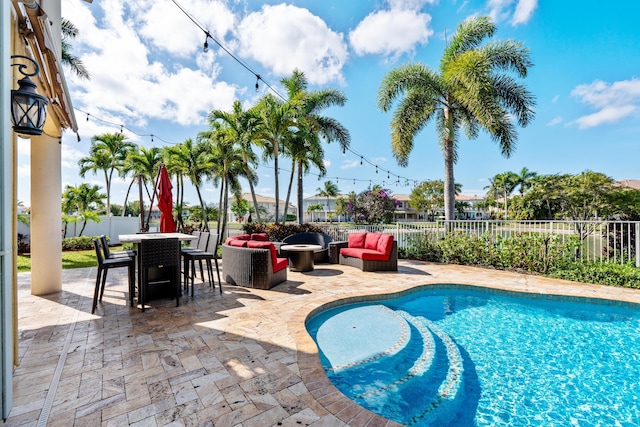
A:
(248, 68)
(205, 48)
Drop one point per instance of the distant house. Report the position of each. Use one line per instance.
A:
(404, 212)
(269, 205)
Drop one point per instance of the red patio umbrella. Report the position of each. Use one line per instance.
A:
(165, 202)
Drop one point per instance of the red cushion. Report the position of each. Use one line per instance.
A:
(356, 240)
(364, 254)
(228, 240)
(280, 264)
(272, 251)
(262, 237)
(385, 244)
(238, 243)
(243, 237)
(371, 241)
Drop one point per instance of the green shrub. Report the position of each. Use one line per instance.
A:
(600, 273)
(78, 243)
(277, 231)
(531, 252)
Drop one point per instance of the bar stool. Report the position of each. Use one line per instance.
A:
(103, 267)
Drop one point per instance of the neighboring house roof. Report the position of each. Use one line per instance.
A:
(629, 183)
(263, 199)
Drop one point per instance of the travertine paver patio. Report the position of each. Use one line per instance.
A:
(240, 358)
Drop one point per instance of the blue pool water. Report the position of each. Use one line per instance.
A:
(453, 355)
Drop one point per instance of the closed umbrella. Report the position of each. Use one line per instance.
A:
(165, 202)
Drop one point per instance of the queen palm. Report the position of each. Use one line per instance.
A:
(312, 126)
(274, 128)
(525, 179)
(241, 126)
(228, 166)
(144, 164)
(106, 154)
(472, 90)
(305, 150)
(329, 190)
(194, 161)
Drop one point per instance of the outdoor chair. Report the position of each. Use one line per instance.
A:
(104, 264)
(206, 253)
(162, 255)
(114, 254)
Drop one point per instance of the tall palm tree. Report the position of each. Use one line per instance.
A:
(144, 165)
(275, 127)
(193, 161)
(304, 149)
(329, 190)
(106, 154)
(228, 167)
(70, 31)
(311, 125)
(241, 126)
(472, 90)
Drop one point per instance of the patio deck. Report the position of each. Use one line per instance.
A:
(240, 358)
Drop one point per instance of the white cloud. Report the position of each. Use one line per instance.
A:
(524, 11)
(327, 163)
(555, 99)
(555, 121)
(613, 101)
(285, 37)
(126, 81)
(70, 156)
(391, 32)
(159, 19)
(515, 11)
(350, 164)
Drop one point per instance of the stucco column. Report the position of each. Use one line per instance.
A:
(46, 208)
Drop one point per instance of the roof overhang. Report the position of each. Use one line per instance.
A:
(35, 29)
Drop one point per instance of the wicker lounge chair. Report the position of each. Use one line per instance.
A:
(252, 267)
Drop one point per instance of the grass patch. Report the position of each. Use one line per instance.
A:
(70, 259)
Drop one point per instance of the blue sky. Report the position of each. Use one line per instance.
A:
(149, 72)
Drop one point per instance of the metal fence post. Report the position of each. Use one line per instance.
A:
(637, 237)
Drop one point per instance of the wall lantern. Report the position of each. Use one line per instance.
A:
(28, 109)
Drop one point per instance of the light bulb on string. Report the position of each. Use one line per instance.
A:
(360, 160)
(257, 80)
(205, 47)
(376, 169)
(152, 138)
(87, 116)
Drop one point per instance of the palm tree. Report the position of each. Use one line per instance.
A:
(193, 161)
(274, 129)
(503, 185)
(144, 164)
(524, 180)
(87, 199)
(305, 152)
(228, 166)
(473, 90)
(311, 126)
(106, 154)
(69, 31)
(330, 190)
(241, 126)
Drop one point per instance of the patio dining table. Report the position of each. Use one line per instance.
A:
(136, 239)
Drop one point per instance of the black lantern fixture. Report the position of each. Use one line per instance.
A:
(28, 109)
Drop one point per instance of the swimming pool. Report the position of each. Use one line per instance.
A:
(459, 355)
